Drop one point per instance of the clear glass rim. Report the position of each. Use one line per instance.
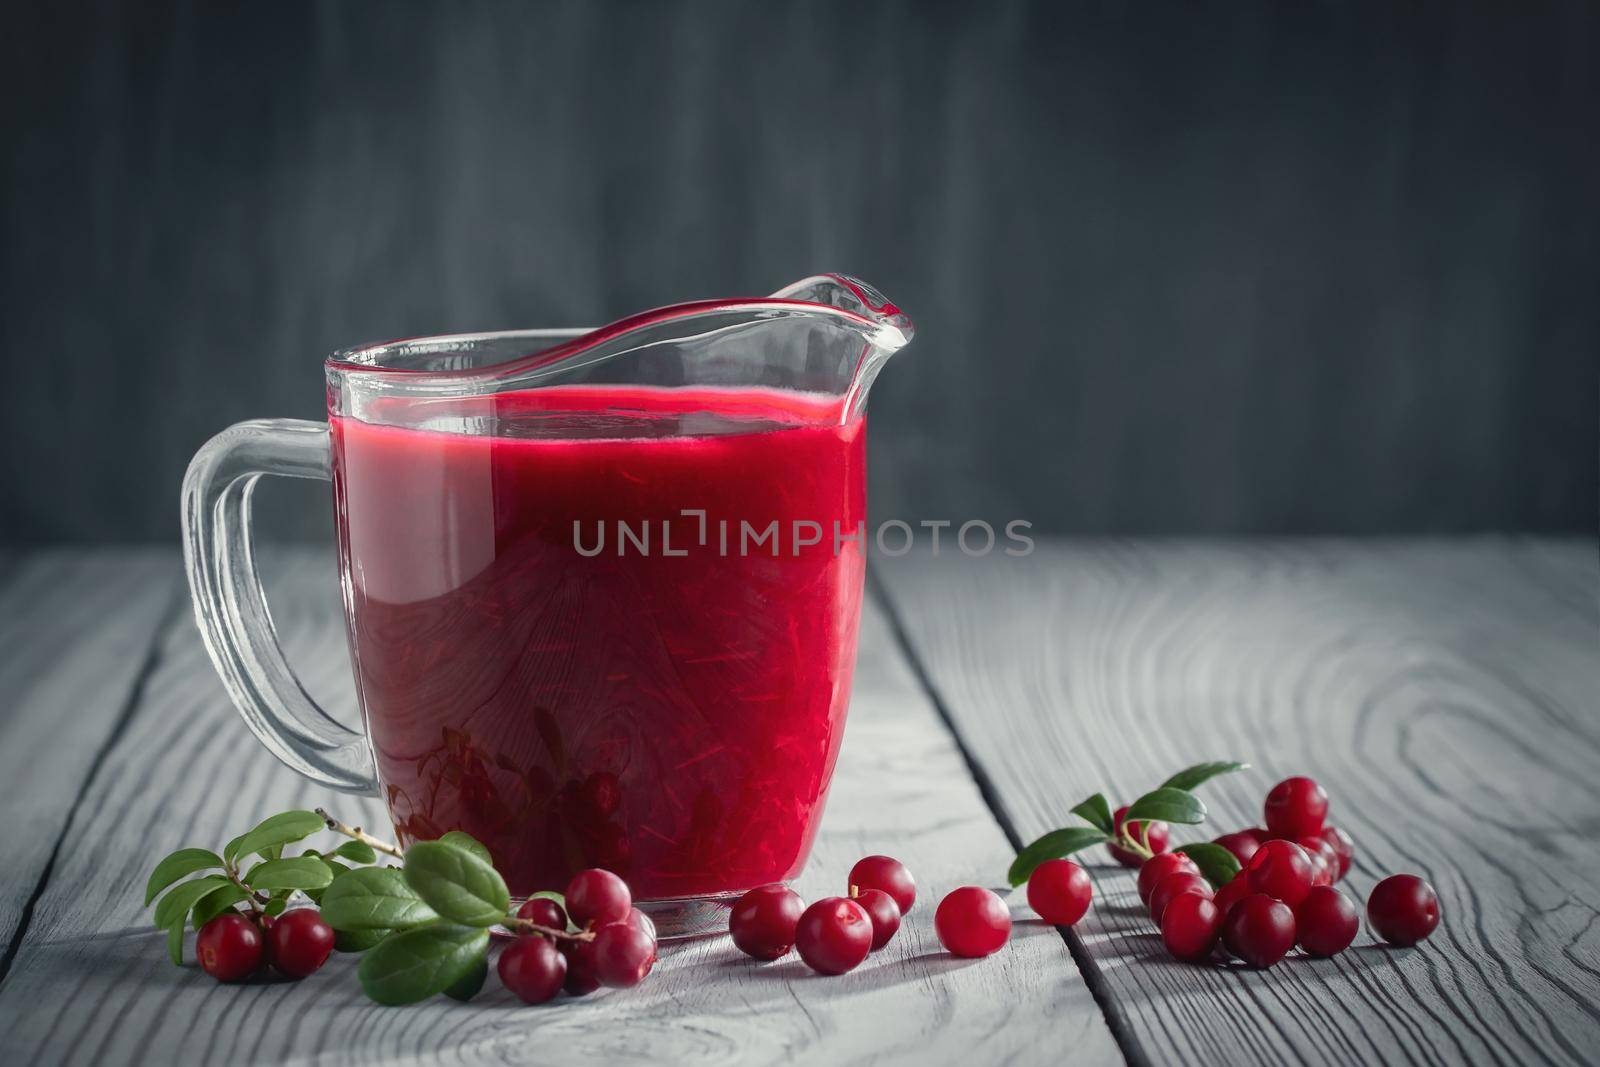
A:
(371, 358)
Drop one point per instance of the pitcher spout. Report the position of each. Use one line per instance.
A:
(887, 328)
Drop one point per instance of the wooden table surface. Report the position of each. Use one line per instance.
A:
(1443, 691)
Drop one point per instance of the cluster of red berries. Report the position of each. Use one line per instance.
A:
(617, 948)
(835, 934)
(1284, 892)
(233, 947)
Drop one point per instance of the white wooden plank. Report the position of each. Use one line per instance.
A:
(76, 629)
(96, 987)
(1443, 692)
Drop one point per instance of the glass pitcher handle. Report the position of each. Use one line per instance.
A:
(231, 609)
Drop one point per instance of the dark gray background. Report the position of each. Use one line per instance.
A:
(1175, 268)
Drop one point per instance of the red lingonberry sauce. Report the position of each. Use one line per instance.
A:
(672, 718)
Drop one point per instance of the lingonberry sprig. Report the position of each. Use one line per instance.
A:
(1256, 892)
(1136, 832)
(251, 871)
(422, 926)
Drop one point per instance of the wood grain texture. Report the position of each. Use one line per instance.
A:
(1444, 693)
(76, 630)
(91, 983)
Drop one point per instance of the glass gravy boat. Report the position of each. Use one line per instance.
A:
(602, 597)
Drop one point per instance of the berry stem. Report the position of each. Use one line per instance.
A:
(527, 926)
(256, 899)
(1138, 847)
(359, 834)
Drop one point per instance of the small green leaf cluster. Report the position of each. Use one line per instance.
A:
(422, 926)
(425, 926)
(1171, 802)
(251, 871)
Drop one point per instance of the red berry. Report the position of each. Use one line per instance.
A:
(1190, 925)
(1326, 921)
(1160, 837)
(887, 874)
(532, 968)
(1281, 869)
(1232, 893)
(598, 897)
(1343, 847)
(1324, 860)
(623, 955)
(640, 921)
(1296, 807)
(884, 913)
(1259, 930)
(1243, 845)
(1059, 891)
(230, 947)
(834, 935)
(299, 942)
(763, 921)
(972, 922)
(581, 977)
(1158, 867)
(1174, 886)
(544, 911)
(1403, 909)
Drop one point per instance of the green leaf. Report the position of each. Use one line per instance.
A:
(1053, 845)
(357, 852)
(464, 840)
(358, 940)
(456, 883)
(1190, 777)
(415, 964)
(333, 865)
(374, 898)
(296, 872)
(174, 907)
(467, 986)
(1166, 805)
(270, 833)
(1097, 813)
(175, 943)
(276, 906)
(215, 903)
(1216, 863)
(179, 864)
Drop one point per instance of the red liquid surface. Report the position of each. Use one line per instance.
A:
(673, 718)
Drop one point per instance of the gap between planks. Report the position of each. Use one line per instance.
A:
(1116, 1019)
